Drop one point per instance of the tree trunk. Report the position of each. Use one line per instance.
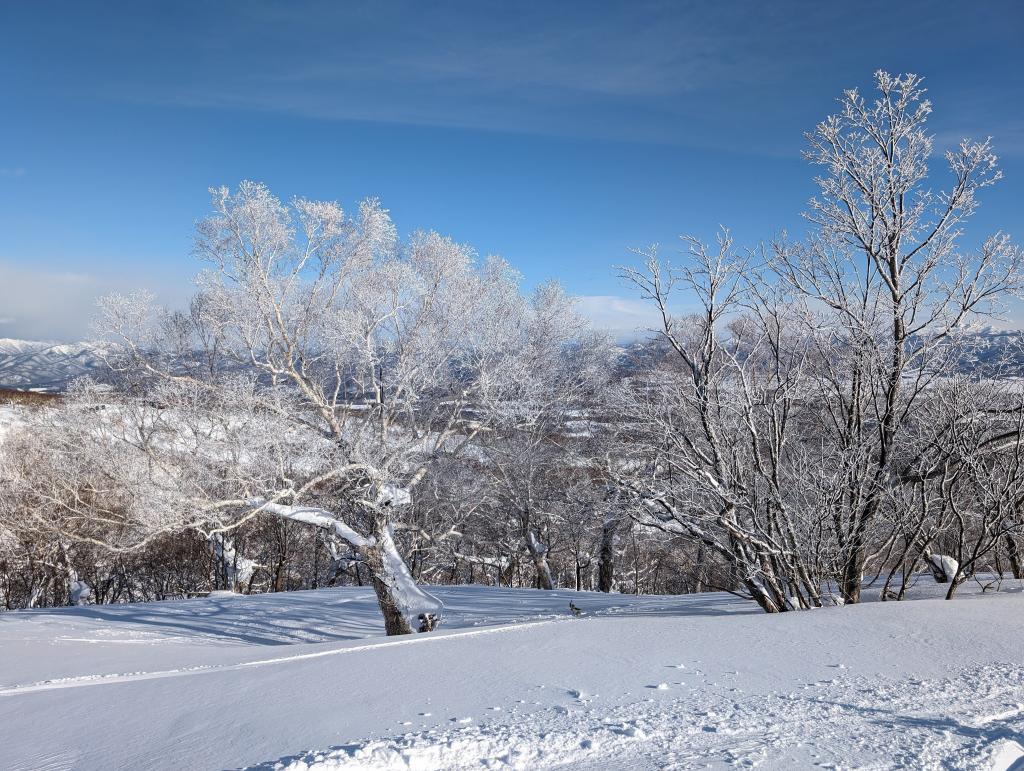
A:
(853, 574)
(606, 556)
(227, 575)
(700, 567)
(507, 576)
(405, 606)
(1013, 552)
(539, 555)
(279, 577)
(76, 592)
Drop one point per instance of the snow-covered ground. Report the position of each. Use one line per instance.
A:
(305, 680)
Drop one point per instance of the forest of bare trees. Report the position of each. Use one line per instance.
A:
(340, 406)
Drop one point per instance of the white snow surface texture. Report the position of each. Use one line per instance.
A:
(306, 680)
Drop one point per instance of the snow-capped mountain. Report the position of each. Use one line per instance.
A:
(27, 364)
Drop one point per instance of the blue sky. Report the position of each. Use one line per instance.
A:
(558, 135)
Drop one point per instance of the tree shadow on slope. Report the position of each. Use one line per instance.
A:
(350, 613)
(273, 619)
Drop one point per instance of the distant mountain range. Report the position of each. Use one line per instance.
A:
(994, 353)
(40, 366)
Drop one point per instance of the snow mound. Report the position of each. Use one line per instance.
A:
(943, 567)
(1008, 756)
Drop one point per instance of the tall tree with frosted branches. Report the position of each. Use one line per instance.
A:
(892, 286)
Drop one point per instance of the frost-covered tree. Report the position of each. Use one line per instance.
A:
(964, 489)
(892, 287)
(790, 416)
(710, 433)
(324, 370)
(538, 455)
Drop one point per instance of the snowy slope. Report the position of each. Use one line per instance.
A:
(514, 681)
(45, 366)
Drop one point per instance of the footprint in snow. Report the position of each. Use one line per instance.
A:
(632, 731)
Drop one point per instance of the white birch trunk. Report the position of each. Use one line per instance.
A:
(406, 607)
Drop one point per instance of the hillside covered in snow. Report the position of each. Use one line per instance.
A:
(304, 680)
(46, 366)
(31, 365)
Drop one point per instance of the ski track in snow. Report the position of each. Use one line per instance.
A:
(81, 681)
(970, 721)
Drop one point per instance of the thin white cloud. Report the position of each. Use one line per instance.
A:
(625, 317)
(45, 304)
(1007, 136)
(624, 73)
